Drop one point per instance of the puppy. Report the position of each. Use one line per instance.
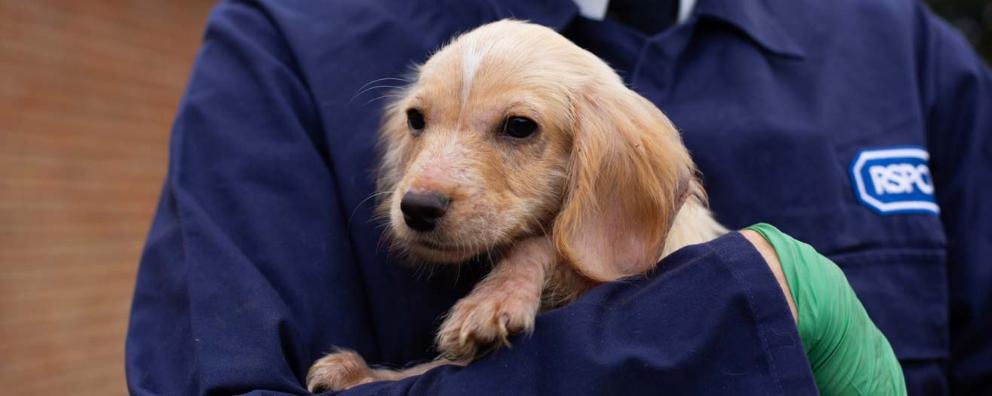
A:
(515, 143)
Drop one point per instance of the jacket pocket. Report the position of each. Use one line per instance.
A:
(905, 294)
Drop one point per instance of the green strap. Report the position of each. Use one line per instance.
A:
(848, 354)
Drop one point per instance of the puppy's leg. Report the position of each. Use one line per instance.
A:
(504, 303)
(346, 369)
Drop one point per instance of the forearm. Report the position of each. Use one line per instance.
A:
(847, 353)
(673, 324)
(768, 253)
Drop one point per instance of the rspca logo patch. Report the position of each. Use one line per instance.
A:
(894, 180)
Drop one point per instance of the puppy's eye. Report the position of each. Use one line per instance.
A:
(519, 127)
(415, 119)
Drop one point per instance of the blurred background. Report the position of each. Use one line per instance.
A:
(973, 18)
(88, 90)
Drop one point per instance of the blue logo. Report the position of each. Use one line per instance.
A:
(894, 180)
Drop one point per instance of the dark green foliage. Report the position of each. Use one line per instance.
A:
(973, 18)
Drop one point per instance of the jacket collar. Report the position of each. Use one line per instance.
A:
(555, 14)
(757, 20)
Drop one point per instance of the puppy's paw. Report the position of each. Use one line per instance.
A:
(339, 371)
(483, 319)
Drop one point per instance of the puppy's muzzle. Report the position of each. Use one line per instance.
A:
(423, 210)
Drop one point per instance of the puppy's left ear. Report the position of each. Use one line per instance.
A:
(628, 176)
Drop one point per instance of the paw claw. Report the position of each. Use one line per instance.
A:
(483, 321)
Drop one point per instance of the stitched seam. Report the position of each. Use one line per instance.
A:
(754, 314)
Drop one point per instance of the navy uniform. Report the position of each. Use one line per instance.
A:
(861, 127)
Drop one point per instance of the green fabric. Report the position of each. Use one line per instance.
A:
(848, 354)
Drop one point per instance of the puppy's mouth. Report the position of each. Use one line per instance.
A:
(435, 252)
(435, 246)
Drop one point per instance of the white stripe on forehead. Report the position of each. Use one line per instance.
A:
(470, 65)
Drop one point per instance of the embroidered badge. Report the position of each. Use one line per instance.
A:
(894, 180)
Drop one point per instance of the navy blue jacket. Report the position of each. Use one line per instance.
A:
(861, 127)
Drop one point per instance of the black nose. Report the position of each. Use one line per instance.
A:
(421, 210)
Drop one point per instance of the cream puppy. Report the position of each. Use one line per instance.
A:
(515, 143)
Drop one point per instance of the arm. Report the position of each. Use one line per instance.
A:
(768, 253)
(511, 292)
(847, 353)
(956, 90)
(710, 320)
(247, 251)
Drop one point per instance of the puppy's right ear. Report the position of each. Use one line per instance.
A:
(628, 176)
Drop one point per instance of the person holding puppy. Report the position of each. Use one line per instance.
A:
(867, 143)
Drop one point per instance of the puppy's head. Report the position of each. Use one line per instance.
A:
(513, 131)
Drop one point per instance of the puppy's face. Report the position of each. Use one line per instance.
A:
(511, 131)
(476, 150)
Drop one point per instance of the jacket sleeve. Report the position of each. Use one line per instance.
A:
(957, 94)
(711, 320)
(248, 250)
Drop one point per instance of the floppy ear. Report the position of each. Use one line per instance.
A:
(629, 174)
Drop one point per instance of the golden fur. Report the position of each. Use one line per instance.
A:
(601, 191)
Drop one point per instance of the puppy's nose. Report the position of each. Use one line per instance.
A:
(421, 210)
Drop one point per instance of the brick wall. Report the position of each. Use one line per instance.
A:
(88, 90)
